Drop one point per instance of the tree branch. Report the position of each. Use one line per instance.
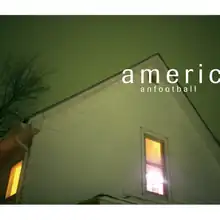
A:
(19, 82)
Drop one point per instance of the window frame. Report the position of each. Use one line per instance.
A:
(164, 143)
(16, 198)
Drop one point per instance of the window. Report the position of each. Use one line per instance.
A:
(155, 167)
(14, 178)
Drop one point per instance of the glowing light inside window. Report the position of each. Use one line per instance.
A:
(14, 180)
(154, 167)
(155, 180)
(153, 151)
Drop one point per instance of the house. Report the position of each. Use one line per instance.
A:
(114, 144)
(14, 149)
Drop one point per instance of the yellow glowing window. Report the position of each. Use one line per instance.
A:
(14, 180)
(155, 172)
(153, 151)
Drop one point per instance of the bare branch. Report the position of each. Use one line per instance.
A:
(19, 82)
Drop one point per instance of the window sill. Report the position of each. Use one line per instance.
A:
(162, 199)
(10, 200)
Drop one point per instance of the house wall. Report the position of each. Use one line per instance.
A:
(92, 144)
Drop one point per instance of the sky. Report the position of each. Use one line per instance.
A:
(82, 50)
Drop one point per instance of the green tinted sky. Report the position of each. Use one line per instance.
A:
(85, 49)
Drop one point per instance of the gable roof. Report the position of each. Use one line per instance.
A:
(89, 88)
(182, 98)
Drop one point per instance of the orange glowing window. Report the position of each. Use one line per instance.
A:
(153, 151)
(155, 172)
(14, 180)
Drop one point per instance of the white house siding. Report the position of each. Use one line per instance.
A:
(91, 144)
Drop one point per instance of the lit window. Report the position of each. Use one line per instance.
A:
(14, 180)
(155, 173)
